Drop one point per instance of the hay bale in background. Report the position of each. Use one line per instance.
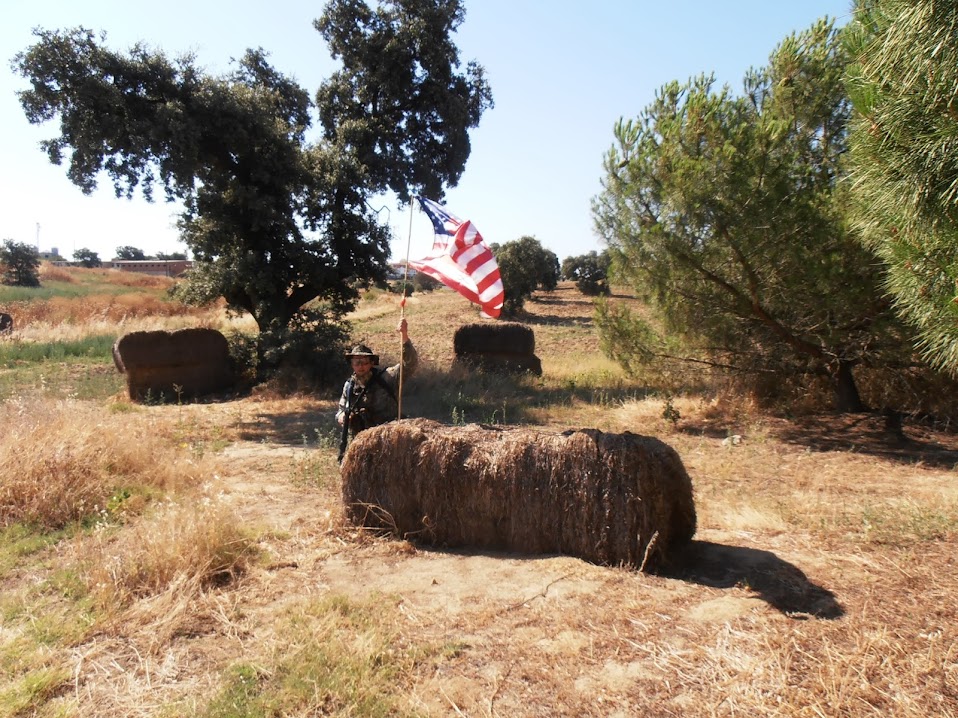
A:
(607, 498)
(169, 366)
(502, 346)
(505, 337)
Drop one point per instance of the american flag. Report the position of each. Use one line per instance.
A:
(461, 260)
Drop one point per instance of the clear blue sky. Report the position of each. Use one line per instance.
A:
(561, 73)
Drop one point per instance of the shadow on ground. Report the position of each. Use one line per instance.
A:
(307, 427)
(868, 433)
(779, 583)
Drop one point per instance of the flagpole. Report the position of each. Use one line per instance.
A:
(402, 311)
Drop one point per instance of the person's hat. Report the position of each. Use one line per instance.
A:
(361, 350)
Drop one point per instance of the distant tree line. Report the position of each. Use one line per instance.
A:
(134, 253)
(20, 262)
(90, 259)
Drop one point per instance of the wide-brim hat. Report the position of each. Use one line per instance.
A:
(361, 350)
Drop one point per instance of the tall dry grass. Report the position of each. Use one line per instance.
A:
(152, 575)
(98, 275)
(75, 302)
(194, 541)
(73, 318)
(146, 541)
(62, 461)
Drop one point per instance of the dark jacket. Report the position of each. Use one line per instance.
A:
(376, 402)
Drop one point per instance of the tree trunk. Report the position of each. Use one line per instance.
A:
(847, 398)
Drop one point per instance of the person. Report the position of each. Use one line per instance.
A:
(370, 395)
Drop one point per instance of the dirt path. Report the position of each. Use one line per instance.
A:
(546, 635)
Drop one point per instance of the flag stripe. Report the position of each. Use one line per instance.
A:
(460, 259)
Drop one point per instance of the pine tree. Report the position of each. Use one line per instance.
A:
(725, 212)
(903, 82)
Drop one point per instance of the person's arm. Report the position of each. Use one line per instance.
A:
(410, 357)
(343, 403)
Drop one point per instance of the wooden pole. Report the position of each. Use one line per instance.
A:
(402, 313)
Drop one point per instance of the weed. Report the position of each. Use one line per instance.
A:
(314, 468)
(669, 412)
(241, 696)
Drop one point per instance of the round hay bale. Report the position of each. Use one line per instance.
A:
(610, 499)
(500, 337)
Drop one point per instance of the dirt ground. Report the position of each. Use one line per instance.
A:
(783, 605)
(754, 616)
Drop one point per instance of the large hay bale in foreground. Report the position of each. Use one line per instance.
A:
(607, 498)
(169, 366)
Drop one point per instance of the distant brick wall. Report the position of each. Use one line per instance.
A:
(156, 267)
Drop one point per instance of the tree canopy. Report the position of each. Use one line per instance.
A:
(724, 211)
(20, 264)
(274, 222)
(130, 253)
(525, 266)
(87, 258)
(904, 163)
(590, 272)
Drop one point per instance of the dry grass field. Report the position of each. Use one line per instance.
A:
(191, 560)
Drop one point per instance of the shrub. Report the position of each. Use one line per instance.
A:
(402, 287)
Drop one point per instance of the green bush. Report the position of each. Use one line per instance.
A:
(403, 287)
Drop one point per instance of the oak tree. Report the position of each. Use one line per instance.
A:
(279, 225)
(525, 266)
(20, 264)
(87, 258)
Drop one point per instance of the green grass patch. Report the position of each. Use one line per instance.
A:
(28, 695)
(81, 368)
(908, 523)
(338, 658)
(39, 623)
(897, 524)
(84, 287)
(97, 349)
(77, 379)
(18, 542)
